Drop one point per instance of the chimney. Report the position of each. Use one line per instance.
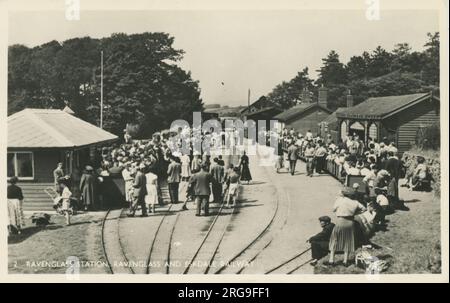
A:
(322, 100)
(349, 99)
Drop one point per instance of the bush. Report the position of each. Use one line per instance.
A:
(429, 137)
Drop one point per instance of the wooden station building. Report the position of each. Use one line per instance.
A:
(393, 118)
(38, 139)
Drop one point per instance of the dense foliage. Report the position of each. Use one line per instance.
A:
(371, 74)
(142, 83)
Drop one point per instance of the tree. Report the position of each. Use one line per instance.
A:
(332, 71)
(430, 72)
(357, 67)
(142, 83)
(287, 94)
(379, 63)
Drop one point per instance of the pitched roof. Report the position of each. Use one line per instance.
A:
(333, 117)
(262, 99)
(381, 107)
(298, 110)
(263, 110)
(52, 128)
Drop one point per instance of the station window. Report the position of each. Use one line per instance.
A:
(21, 164)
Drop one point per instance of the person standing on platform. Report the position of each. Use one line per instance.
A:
(185, 167)
(58, 173)
(15, 210)
(245, 169)
(218, 172)
(343, 236)
(232, 186)
(319, 156)
(139, 193)
(201, 186)
(174, 178)
(151, 199)
(88, 188)
(280, 159)
(196, 163)
(128, 179)
(309, 157)
(320, 242)
(393, 167)
(66, 195)
(292, 156)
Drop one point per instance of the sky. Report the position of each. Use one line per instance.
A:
(243, 49)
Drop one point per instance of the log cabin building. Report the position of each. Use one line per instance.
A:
(392, 118)
(38, 139)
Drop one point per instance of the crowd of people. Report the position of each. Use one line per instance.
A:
(148, 165)
(362, 206)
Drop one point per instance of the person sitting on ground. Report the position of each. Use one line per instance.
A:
(320, 242)
(419, 174)
(366, 226)
(380, 184)
(382, 205)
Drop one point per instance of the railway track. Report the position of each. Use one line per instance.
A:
(246, 256)
(291, 265)
(203, 258)
(113, 250)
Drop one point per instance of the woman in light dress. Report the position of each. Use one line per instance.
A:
(185, 167)
(151, 199)
(15, 210)
(128, 179)
(66, 196)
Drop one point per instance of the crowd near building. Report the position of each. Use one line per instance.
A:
(58, 161)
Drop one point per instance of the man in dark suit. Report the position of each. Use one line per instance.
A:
(139, 192)
(200, 183)
(292, 156)
(319, 242)
(218, 172)
(173, 179)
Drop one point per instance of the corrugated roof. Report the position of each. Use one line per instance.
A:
(378, 107)
(52, 128)
(297, 110)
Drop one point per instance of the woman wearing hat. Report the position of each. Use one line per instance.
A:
(15, 210)
(87, 188)
(343, 235)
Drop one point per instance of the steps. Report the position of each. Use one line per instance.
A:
(35, 199)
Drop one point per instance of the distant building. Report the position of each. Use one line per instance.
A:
(306, 116)
(396, 118)
(261, 110)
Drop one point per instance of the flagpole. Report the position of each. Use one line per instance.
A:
(101, 90)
